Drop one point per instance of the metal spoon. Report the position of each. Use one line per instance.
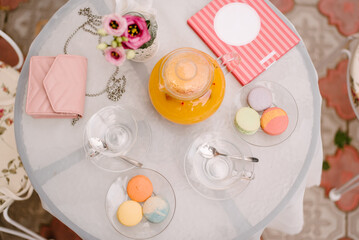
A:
(209, 152)
(98, 146)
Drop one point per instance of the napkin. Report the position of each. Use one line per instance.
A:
(273, 39)
(56, 87)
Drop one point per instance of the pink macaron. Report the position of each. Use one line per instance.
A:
(274, 121)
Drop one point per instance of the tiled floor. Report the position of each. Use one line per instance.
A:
(322, 24)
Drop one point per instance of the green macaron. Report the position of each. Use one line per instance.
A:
(247, 120)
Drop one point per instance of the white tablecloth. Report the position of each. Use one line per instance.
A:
(74, 190)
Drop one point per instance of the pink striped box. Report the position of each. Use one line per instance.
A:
(275, 38)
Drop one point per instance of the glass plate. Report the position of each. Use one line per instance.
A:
(117, 194)
(282, 98)
(104, 123)
(199, 177)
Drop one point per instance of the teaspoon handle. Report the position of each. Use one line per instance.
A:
(131, 161)
(249, 159)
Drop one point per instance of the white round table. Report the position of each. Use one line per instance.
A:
(74, 190)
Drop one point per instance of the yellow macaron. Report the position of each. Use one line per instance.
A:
(129, 213)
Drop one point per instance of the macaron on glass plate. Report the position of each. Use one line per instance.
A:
(282, 98)
(218, 178)
(117, 194)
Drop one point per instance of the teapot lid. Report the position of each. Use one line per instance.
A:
(187, 74)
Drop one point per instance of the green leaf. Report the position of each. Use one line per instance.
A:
(13, 171)
(341, 139)
(148, 22)
(8, 180)
(2, 130)
(326, 165)
(5, 171)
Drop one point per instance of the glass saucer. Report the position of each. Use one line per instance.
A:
(124, 131)
(218, 178)
(282, 98)
(117, 194)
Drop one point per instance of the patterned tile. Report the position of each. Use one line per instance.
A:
(319, 38)
(307, 2)
(330, 123)
(322, 220)
(29, 213)
(10, 4)
(57, 230)
(283, 5)
(2, 19)
(343, 14)
(354, 133)
(333, 88)
(21, 22)
(8, 54)
(343, 166)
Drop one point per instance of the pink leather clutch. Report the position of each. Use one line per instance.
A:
(56, 87)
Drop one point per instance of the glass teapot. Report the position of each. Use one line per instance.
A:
(187, 73)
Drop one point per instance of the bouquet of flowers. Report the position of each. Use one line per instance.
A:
(129, 32)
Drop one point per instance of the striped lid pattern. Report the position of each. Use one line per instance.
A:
(274, 39)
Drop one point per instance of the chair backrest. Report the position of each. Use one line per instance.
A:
(14, 182)
(353, 75)
(15, 47)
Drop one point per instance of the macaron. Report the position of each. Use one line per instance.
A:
(129, 213)
(247, 120)
(139, 188)
(274, 121)
(259, 98)
(155, 209)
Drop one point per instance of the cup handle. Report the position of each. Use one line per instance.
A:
(228, 61)
(247, 175)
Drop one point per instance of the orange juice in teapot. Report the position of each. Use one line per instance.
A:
(187, 85)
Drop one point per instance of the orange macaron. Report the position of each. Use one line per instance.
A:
(274, 121)
(139, 188)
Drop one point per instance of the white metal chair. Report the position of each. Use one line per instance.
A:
(349, 47)
(353, 56)
(14, 183)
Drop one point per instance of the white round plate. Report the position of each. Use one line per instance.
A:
(237, 24)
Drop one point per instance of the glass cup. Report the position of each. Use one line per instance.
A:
(115, 131)
(218, 177)
(222, 170)
(115, 127)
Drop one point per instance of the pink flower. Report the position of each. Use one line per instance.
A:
(115, 56)
(1, 113)
(137, 32)
(114, 24)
